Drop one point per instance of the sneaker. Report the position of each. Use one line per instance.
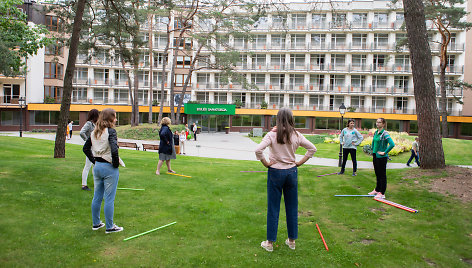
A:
(267, 246)
(85, 188)
(374, 192)
(354, 174)
(291, 245)
(96, 227)
(408, 165)
(380, 195)
(115, 229)
(341, 172)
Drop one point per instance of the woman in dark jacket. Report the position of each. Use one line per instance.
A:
(166, 146)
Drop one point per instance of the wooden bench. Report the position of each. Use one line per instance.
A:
(150, 147)
(128, 144)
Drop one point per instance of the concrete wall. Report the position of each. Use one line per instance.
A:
(35, 78)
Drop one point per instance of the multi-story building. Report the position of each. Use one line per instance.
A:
(311, 58)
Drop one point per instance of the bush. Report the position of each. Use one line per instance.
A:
(367, 149)
(144, 131)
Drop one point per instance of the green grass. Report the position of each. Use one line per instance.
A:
(452, 154)
(45, 218)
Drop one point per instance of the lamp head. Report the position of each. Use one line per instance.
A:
(342, 109)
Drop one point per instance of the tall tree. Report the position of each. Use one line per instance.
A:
(431, 149)
(59, 147)
(445, 15)
(18, 40)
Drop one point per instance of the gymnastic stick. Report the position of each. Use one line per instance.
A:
(147, 232)
(319, 231)
(132, 189)
(396, 205)
(175, 174)
(359, 195)
(253, 171)
(327, 174)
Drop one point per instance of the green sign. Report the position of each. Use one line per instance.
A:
(196, 108)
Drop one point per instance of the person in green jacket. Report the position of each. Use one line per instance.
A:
(382, 143)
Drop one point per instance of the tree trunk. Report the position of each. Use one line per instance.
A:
(60, 146)
(431, 150)
(442, 85)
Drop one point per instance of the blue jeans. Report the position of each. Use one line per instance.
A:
(282, 181)
(105, 178)
(414, 155)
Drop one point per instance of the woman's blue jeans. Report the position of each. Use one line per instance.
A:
(282, 181)
(105, 178)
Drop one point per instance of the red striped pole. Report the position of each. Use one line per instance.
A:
(393, 204)
(319, 231)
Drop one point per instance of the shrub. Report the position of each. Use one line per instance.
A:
(367, 149)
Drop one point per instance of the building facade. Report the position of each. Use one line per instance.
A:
(310, 58)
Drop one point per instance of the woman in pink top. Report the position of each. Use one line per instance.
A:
(282, 176)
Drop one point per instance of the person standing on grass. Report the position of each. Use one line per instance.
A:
(282, 175)
(187, 131)
(102, 150)
(183, 139)
(166, 146)
(382, 143)
(194, 129)
(85, 132)
(350, 138)
(414, 152)
(71, 123)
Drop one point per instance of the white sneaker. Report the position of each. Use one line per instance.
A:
(291, 245)
(96, 227)
(115, 229)
(380, 195)
(374, 192)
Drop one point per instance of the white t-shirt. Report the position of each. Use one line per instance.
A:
(70, 126)
(195, 128)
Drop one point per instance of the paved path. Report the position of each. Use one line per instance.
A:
(235, 146)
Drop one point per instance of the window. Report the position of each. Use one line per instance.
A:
(157, 79)
(247, 120)
(143, 97)
(53, 92)
(100, 95)
(450, 63)
(240, 42)
(120, 77)
(316, 81)
(378, 102)
(277, 61)
(278, 41)
(52, 23)
(379, 61)
(359, 60)
(339, 20)
(357, 101)
(103, 57)
(338, 60)
(144, 59)
(221, 97)
(121, 95)
(318, 21)
(261, 23)
(53, 70)
(317, 61)
(180, 79)
(300, 122)
(338, 40)
(242, 61)
(298, 40)
(203, 80)
(299, 21)
(402, 61)
(359, 40)
(43, 118)
(359, 20)
(316, 101)
(335, 101)
(279, 21)
(81, 75)
(257, 98)
(258, 80)
(260, 41)
(276, 99)
(10, 91)
(358, 82)
(258, 61)
(184, 61)
(160, 40)
(401, 83)
(53, 49)
(277, 81)
(401, 103)
(380, 40)
(318, 40)
(380, 19)
(399, 20)
(79, 94)
(156, 95)
(297, 61)
(239, 96)
(379, 82)
(185, 43)
(11, 118)
(297, 81)
(336, 81)
(161, 22)
(295, 100)
(400, 38)
(143, 78)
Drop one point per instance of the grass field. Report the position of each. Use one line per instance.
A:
(45, 219)
(452, 154)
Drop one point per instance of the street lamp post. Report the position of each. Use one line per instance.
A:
(21, 101)
(342, 111)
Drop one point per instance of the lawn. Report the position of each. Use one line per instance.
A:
(45, 218)
(452, 154)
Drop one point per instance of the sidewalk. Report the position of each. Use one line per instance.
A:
(234, 145)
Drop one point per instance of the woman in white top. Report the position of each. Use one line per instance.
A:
(102, 150)
(282, 176)
(85, 132)
(350, 138)
(182, 139)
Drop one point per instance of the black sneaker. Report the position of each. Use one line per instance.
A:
(408, 165)
(354, 174)
(96, 227)
(85, 188)
(340, 172)
(115, 229)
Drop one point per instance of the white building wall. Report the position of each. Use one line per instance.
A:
(35, 78)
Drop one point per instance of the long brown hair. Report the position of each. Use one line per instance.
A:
(285, 126)
(106, 119)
